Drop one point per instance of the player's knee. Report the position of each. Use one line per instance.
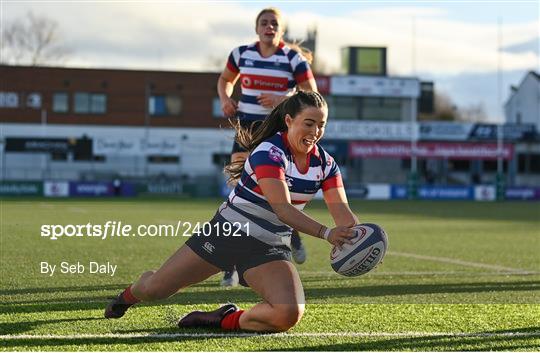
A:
(286, 316)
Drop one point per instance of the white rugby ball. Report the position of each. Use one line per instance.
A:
(364, 254)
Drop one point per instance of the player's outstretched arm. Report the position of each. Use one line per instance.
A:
(338, 206)
(277, 194)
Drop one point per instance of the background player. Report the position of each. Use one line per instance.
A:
(269, 70)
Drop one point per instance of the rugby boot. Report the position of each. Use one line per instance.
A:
(207, 318)
(230, 279)
(116, 308)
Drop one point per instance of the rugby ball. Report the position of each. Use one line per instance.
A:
(364, 254)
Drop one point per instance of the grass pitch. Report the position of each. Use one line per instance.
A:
(458, 276)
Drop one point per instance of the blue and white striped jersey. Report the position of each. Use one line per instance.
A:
(276, 74)
(273, 159)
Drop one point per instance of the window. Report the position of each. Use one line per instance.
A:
(529, 163)
(216, 108)
(98, 103)
(160, 105)
(94, 103)
(491, 166)
(342, 107)
(60, 102)
(457, 165)
(81, 102)
(59, 156)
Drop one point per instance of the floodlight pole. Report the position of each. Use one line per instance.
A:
(146, 125)
(499, 179)
(47, 156)
(413, 178)
(412, 189)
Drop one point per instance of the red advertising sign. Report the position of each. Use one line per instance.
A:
(467, 151)
(323, 84)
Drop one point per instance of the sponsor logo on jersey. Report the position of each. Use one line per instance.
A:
(267, 83)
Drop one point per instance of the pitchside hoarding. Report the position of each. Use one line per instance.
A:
(522, 193)
(56, 188)
(90, 189)
(399, 192)
(21, 188)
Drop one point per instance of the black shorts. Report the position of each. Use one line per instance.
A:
(245, 124)
(220, 248)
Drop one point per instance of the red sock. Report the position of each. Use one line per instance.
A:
(232, 321)
(128, 297)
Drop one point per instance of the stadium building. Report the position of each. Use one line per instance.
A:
(165, 130)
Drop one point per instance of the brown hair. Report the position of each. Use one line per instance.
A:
(305, 52)
(259, 131)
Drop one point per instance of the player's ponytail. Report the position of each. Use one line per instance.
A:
(305, 52)
(259, 131)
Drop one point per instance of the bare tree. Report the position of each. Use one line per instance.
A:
(215, 63)
(445, 109)
(473, 113)
(32, 40)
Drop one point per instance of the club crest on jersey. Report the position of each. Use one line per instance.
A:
(246, 81)
(274, 154)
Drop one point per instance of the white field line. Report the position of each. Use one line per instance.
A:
(272, 335)
(78, 210)
(456, 262)
(428, 273)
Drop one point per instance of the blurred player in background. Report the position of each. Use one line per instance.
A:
(285, 168)
(269, 70)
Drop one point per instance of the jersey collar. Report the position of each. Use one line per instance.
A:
(258, 47)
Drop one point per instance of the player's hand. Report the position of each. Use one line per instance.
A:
(269, 100)
(340, 235)
(229, 107)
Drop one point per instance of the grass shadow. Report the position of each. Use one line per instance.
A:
(218, 295)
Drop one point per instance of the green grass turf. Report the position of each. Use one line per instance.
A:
(459, 276)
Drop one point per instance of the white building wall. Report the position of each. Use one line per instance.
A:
(523, 106)
(197, 147)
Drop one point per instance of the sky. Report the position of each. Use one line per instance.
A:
(453, 43)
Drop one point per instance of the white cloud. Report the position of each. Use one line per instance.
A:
(183, 35)
(441, 45)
